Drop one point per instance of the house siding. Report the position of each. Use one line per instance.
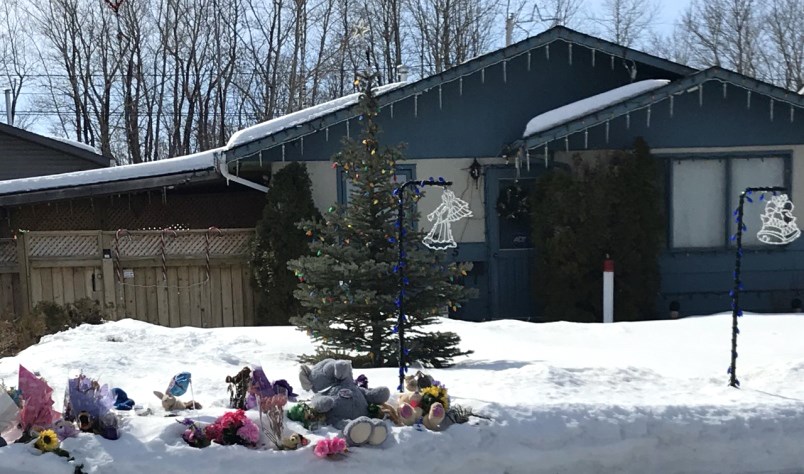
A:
(22, 158)
(700, 280)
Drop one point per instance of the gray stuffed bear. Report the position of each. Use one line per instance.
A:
(344, 404)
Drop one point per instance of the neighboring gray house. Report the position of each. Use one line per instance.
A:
(25, 154)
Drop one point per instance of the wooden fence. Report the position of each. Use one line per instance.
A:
(185, 278)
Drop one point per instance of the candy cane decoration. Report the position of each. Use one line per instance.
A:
(162, 248)
(118, 266)
(210, 231)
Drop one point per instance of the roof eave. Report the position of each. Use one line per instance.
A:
(109, 187)
(643, 100)
(48, 142)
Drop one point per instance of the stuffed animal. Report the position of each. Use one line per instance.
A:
(294, 441)
(343, 403)
(423, 401)
(171, 403)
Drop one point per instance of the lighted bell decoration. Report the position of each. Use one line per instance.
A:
(778, 223)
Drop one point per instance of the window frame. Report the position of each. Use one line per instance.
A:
(408, 169)
(728, 158)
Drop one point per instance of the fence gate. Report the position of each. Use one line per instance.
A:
(184, 278)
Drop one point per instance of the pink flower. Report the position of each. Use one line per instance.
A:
(337, 445)
(214, 432)
(249, 432)
(322, 448)
(329, 446)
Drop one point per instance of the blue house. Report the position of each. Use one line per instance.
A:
(520, 110)
(492, 126)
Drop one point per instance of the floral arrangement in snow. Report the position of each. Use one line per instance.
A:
(90, 405)
(36, 412)
(248, 385)
(194, 435)
(27, 410)
(233, 427)
(260, 389)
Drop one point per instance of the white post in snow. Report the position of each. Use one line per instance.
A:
(608, 290)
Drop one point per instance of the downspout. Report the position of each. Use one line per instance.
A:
(223, 169)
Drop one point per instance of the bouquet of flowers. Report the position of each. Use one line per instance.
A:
(195, 434)
(233, 428)
(436, 393)
(330, 447)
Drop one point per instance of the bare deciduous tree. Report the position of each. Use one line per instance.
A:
(627, 22)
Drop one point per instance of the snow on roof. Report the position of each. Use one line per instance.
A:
(586, 106)
(196, 162)
(77, 144)
(266, 129)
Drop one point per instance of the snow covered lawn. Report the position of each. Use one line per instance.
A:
(649, 397)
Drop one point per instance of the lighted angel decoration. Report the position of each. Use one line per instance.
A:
(778, 223)
(451, 209)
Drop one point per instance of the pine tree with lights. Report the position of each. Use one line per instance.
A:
(348, 284)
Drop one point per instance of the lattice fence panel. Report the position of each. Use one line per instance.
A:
(8, 251)
(140, 244)
(65, 245)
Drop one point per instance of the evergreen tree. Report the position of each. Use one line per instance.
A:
(348, 283)
(287, 202)
(612, 207)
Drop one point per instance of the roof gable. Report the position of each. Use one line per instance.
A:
(317, 122)
(630, 104)
(55, 144)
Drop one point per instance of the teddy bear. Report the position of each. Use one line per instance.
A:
(423, 400)
(343, 404)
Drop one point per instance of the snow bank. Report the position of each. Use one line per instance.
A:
(586, 106)
(649, 397)
(196, 162)
(268, 128)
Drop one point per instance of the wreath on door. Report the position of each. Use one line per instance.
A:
(513, 203)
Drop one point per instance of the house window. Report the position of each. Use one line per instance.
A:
(345, 186)
(705, 192)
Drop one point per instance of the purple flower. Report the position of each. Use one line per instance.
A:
(249, 432)
(362, 381)
(260, 384)
(64, 430)
(283, 384)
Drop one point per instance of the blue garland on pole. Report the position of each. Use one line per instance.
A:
(738, 284)
(402, 262)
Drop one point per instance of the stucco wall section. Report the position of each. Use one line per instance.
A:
(325, 190)
(324, 178)
(471, 229)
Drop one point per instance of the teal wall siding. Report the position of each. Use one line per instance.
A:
(718, 122)
(485, 111)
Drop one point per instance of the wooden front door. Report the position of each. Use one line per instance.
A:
(512, 256)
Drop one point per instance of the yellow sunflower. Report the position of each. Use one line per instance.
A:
(437, 394)
(48, 441)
